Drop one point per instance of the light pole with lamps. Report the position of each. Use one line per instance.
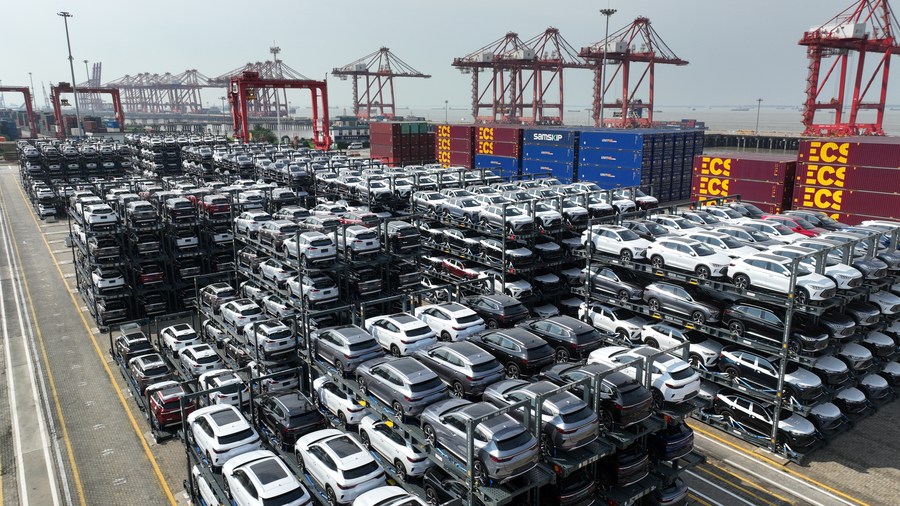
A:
(606, 12)
(275, 50)
(758, 105)
(65, 15)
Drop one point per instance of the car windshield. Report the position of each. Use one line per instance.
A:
(656, 228)
(513, 211)
(513, 442)
(781, 229)
(703, 250)
(805, 225)
(628, 235)
(468, 203)
(731, 242)
(757, 236)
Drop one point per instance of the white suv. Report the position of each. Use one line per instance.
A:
(773, 272)
(774, 230)
(671, 379)
(358, 240)
(401, 333)
(257, 477)
(843, 275)
(615, 240)
(221, 432)
(688, 255)
(338, 464)
(722, 243)
(621, 322)
(314, 247)
(451, 321)
(378, 435)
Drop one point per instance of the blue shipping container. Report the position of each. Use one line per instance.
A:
(507, 164)
(548, 153)
(612, 139)
(611, 157)
(609, 178)
(549, 136)
(563, 171)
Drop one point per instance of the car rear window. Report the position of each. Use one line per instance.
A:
(362, 345)
(363, 470)
(190, 336)
(173, 404)
(683, 374)
(587, 337)
(251, 311)
(472, 318)
(285, 498)
(237, 436)
(484, 366)
(517, 440)
(577, 416)
(365, 236)
(156, 371)
(418, 331)
(231, 388)
(209, 359)
(321, 242)
(425, 386)
(515, 308)
(323, 282)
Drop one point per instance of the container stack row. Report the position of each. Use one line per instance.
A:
(765, 180)
(402, 142)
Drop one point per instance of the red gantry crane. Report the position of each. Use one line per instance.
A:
(523, 75)
(32, 128)
(379, 68)
(265, 103)
(246, 88)
(636, 43)
(162, 93)
(864, 27)
(59, 89)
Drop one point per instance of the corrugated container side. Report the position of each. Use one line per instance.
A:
(832, 199)
(549, 136)
(611, 139)
(856, 151)
(874, 179)
(506, 164)
(563, 171)
(497, 133)
(756, 191)
(461, 145)
(510, 149)
(611, 157)
(776, 169)
(462, 159)
(548, 153)
(609, 178)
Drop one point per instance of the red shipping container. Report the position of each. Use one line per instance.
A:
(463, 159)
(382, 138)
(855, 151)
(507, 149)
(874, 179)
(499, 133)
(758, 167)
(833, 199)
(706, 187)
(464, 145)
(384, 127)
(462, 132)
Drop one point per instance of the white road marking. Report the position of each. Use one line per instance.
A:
(724, 490)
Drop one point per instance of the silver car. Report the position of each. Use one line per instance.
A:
(462, 365)
(567, 421)
(504, 448)
(402, 383)
(345, 347)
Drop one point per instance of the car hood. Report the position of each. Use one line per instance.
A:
(886, 298)
(815, 279)
(548, 246)
(877, 338)
(709, 347)
(521, 252)
(743, 251)
(804, 378)
(874, 381)
(843, 269)
(831, 364)
(852, 394)
(826, 410)
(635, 321)
(546, 311)
(797, 425)
(547, 278)
(856, 351)
(892, 368)
(520, 284)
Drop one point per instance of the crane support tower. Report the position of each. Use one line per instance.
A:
(265, 103)
(864, 27)
(32, 128)
(525, 78)
(162, 93)
(59, 89)
(379, 69)
(247, 87)
(637, 43)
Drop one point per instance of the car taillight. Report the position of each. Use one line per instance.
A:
(345, 487)
(672, 385)
(457, 328)
(497, 459)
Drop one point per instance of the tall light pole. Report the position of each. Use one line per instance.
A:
(758, 105)
(65, 15)
(446, 108)
(275, 50)
(33, 97)
(606, 12)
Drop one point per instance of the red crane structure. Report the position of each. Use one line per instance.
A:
(32, 128)
(246, 88)
(265, 103)
(59, 89)
(522, 78)
(636, 43)
(92, 101)
(162, 93)
(379, 68)
(864, 27)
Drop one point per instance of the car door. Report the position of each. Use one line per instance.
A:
(439, 362)
(452, 433)
(778, 276)
(760, 420)
(680, 299)
(321, 467)
(379, 388)
(768, 374)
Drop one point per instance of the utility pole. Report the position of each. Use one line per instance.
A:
(65, 15)
(758, 105)
(275, 50)
(606, 12)
(446, 102)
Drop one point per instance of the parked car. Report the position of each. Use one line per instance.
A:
(338, 464)
(800, 385)
(378, 436)
(344, 347)
(199, 358)
(688, 255)
(287, 415)
(614, 282)
(794, 431)
(220, 432)
(166, 399)
(671, 379)
(844, 276)
(238, 313)
(312, 248)
(615, 240)
(176, 337)
(684, 300)
(769, 326)
(504, 449)
(450, 321)
(571, 339)
(216, 294)
(498, 310)
(259, 477)
(401, 333)
(340, 403)
(673, 442)
(463, 366)
(519, 351)
(621, 322)
(402, 383)
(702, 350)
(148, 369)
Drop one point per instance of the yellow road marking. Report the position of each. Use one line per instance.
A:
(109, 373)
(698, 500)
(748, 482)
(735, 485)
(778, 465)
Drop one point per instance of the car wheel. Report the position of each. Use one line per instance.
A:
(736, 328)
(479, 471)
(623, 295)
(329, 494)
(395, 351)
(732, 373)
(467, 218)
(445, 336)
(695, 360)
(364, 438)
(303, 261)
(658, 399)
(702, 272)
(340, 367)
(457, 390)
(653, 304)
(547, 447)
(430, 435)
(741, 281)
(401, 470)
(802, 296)
(652, 343)
(623, 335)
(398, 408)
(227, 489)
(698, 317)
(606, 420)
(794, 347)
(562, 355)
(315, 400)
(362, 386)
(727, 416)
(657, 262)
(492, 324)
(342, 418)
(512, 371)
(431, 496)
(626, 255)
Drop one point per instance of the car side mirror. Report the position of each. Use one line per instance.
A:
(693, 254)
(787, 274)
(619, 239)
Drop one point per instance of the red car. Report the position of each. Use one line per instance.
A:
(459, 268)
(796, 224)
(215, 204)
(368, 220)
(165, 403)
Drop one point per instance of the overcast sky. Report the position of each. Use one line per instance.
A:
(738, 50)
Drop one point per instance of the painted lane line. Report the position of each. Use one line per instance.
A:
(773, 482)
(714, 485)
(737, 486)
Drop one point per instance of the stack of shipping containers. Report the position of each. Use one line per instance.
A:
(851, 179)
(402, 142)
(552, 152)
(455, 145)
(612, 158)
(499, 148)
(765, 180)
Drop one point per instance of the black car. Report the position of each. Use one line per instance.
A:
(287, 415)
(466, 241)
(818, 219)
(517, 256)
(647, 229)
(431, 230)
(624, 401)
(757, 418)
(623, 468)
(615, 282)
(768, 325)
(864, 313)
(571, 338)
(837, 326)
(440, 487)
(800, 384)
(673, 442)
(574, 490)
(401, 236)
(498, 310)
(520, 352)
